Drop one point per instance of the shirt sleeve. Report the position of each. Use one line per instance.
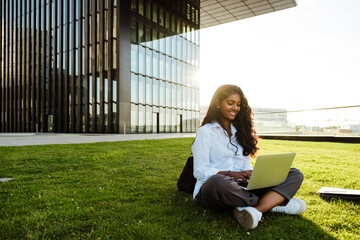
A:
(201, 152)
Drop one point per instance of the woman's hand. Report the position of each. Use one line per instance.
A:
(243, 175)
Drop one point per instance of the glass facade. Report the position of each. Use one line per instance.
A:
(164, 66)
(112, 66)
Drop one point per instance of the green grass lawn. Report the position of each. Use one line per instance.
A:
(127, 190)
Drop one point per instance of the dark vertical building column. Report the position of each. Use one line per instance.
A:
(28, 71)
(101, 72)
(94, 65)
(60, 93)
(55, 76)
(86, 66)
(38, 70)
(11, 68)
(43, 76)
(110, 65)
(80, 93)
(123, 65)
(16, 69)
(72, 76)
(6, 67)
(50, 68)
(65, 104)
(22, 65)
(1, 70)
(33, 77)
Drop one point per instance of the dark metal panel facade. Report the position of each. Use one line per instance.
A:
(66, 64)
(72, 67)
(80, 72)
(110, 66)
(124, 56)
(93, 78)
(86, 124)
(2, 97)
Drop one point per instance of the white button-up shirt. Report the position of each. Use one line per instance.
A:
(213, 152)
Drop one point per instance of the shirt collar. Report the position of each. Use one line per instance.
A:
(232, 127)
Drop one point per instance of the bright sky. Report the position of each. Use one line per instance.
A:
(299, 58)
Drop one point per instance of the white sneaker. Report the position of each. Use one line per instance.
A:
(295, 206)
(248, 217)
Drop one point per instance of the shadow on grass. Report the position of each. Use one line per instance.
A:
(214, 224)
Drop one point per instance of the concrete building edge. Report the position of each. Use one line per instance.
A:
(340, 139)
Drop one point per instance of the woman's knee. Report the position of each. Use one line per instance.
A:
(296, 175)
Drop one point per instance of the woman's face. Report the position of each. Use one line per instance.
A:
(230, 107)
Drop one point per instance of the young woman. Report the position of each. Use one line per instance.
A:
(222, 149)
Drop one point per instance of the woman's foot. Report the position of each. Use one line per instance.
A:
(248, 217)
(295, 206)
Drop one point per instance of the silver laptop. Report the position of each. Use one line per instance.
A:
(270, 170)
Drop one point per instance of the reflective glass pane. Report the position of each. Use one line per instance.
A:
(141, 60)
(179, 72)
(134, 88)
(148, 62)
(115, 21)
(162, 42)
(161, 17)
(134, 58)
(179, 96)
(155, 13)
(167, 20)
(148, 37)
(133, 5)
(155, 92)
(173, 70)
(134, 118)
(168, 94)
(184, 123)
(188, 121)
(188, 98)
(174, 46)
(114, 54)
(155, 40)
(141, 7)
(141, 89)
(162, 93)
(149, 90)
(148, 10)
(173, 23)
(168, 120)
(184, 97)
(168, 46)
(133, 31)
(168, 68)
(156, 64)
(141, 119)
(179, 47)
(148, 119)
(141, 33)
(162, 66)
(173, 95)
(162, 120)
(189, 50)
(173, 120)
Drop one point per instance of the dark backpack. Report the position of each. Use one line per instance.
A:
(186, 182)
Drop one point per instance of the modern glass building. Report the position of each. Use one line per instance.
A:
(107, 66)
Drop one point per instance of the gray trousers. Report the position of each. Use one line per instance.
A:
(221, 191)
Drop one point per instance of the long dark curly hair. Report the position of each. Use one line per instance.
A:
(243, 122)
